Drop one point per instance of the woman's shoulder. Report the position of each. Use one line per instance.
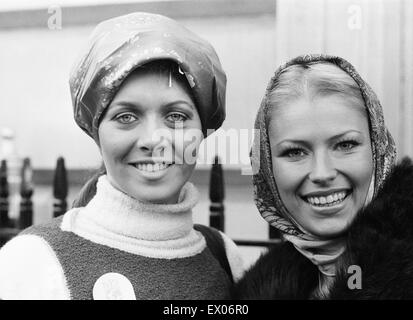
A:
(33, 240)
(29, 265)
(53, 226)
(29, 269)
(224, 249)
(22, 249)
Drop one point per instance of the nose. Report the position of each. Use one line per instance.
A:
(323, 170)
(151, 138)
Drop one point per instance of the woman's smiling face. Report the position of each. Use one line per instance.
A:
(322, 161)
(149, 137)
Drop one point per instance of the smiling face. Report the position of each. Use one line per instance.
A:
(322, 161)
(149, 137)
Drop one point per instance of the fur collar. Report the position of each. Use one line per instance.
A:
(379, 242)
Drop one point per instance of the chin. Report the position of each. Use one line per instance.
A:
(330, 231)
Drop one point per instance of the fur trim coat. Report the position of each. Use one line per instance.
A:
(379, 242)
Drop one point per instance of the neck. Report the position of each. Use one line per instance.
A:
(323, 253)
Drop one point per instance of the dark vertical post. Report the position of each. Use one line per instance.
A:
(26, 192)
(216, 196)
(273, 233)
(60, 188)
(4, 196)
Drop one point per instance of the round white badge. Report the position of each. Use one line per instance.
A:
(113, 286)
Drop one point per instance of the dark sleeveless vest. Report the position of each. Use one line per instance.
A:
(203, 276)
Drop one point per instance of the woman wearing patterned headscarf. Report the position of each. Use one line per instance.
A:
(325, 178)
(147, 90)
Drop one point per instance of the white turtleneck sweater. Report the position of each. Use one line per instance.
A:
(30, 269)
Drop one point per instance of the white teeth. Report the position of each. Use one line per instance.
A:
(329, 200)
(149, 167)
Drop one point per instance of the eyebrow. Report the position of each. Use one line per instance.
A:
(304, 142)
(138, 106)
(126, 104)
(170, 104)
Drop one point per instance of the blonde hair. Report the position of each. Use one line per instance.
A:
(313, 80)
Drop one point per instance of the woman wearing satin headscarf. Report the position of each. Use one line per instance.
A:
(147, 90)
(325, 177)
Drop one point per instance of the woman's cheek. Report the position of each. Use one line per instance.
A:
(360, 169)
(188, 146)
(288, 175)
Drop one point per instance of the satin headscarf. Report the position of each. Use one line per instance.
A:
(118, 46)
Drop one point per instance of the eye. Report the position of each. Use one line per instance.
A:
(176, 117)
(347, 145)
(126, 118)
(294, 153)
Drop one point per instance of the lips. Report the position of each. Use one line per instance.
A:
(149, 167)
(326, 199)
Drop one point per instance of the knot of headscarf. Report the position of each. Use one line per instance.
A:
(322, 252)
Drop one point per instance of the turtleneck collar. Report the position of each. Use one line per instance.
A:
(115, 219)
(114, 210)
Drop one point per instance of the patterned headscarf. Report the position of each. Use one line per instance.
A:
(119, 45)
(266, 195)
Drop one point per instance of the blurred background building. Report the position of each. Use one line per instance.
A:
(39, 41)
